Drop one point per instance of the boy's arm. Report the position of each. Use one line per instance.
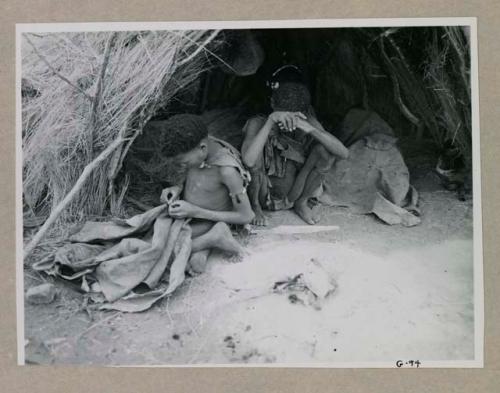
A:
(256, 136)
(242, 212)
(257, 133)
(332, 144)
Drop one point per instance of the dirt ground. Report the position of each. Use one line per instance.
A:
(402, 293)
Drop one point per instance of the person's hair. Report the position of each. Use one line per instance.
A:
(180, 134)
(291, 97)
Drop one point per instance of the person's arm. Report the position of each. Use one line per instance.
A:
(256, 136)
(332, 144)
(242, 212)
(257, 133)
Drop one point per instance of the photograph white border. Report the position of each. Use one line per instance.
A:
(478, 361)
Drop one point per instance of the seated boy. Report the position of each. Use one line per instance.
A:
(288, 153)
(214, 190)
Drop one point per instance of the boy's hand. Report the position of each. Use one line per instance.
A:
(170, 194)
(182, 209)
(287, 121)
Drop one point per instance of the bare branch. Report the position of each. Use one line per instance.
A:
(87, 171)
(397, 93)
(98, 94)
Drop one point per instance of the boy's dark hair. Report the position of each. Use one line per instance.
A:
(291, 97)
(180, 134)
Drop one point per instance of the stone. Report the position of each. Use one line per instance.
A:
(41, 294)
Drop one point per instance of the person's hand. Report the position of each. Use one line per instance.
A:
(170, 194)
(305, 126)
(287, 121)
(182, 209)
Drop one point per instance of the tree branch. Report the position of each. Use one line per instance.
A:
(397, 93)
(87, 171)
(98, 94)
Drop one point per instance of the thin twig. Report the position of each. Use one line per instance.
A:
(55, 71)
(201, 47)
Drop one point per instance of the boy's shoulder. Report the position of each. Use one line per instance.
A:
(228, 172)
(228, 159)
(255, 122)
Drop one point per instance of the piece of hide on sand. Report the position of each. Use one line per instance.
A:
(128, 265)
(375, 178)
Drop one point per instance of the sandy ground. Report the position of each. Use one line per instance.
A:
(402, 293)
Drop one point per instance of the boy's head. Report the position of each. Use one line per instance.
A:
(184, 140)
(290, 97)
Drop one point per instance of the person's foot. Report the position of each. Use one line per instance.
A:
(260, 219)
(224, 239)
(310, 215)
(197, 263)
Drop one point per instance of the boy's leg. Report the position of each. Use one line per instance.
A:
(205, 236)
(200, 227)
(198, 259)
(300, 180)
(198, 262)
(320, 161)
(309, 214)
(281, 186)
(256, 189)
(219, 236)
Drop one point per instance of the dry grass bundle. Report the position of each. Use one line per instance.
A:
(430, 81)
(82, 92)
(447, 72)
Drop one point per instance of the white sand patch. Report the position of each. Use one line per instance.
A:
(412, 304)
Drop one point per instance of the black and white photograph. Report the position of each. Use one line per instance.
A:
(294, 193)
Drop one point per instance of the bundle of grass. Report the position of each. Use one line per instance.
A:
(447, 73)
(87, 97)
(428, 70)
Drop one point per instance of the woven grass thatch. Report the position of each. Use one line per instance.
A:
(84, 93)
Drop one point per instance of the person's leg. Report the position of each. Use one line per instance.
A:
(323, 161)
(198, 259)
(309, 214)
(300, 181)
(198, 262)
(200, 227)
(257, 191)
(205, 236)
(219, 236)
(281, 186)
